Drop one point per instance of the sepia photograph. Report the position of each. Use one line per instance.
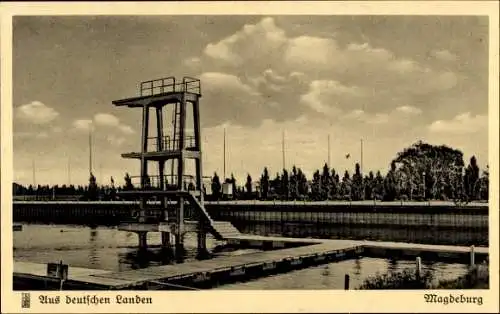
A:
(250, 152)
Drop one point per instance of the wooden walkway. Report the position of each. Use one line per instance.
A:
(256, 264)
(230, 264)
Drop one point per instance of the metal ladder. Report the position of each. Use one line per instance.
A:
(176, 133)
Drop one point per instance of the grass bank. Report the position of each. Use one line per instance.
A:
(477, 277)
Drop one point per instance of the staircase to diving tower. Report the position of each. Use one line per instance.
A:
(221, 230)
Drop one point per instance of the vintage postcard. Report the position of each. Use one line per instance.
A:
(249, 157)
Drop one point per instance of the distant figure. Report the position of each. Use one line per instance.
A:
(326, 271)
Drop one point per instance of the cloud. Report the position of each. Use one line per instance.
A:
(308, 53)
(291, 75)
(42, 135)
(103, 120)
(83, 124)
(230, 98)
(258, 44)
(38, 132)
(115, 140)
(193, 62)
(126, 129)
(408, 110)
(399, 115)
(444, 55)
(227, 81)
(57, 129)
(361, 116)
(364, 65)
(106, 119)
(330, 97)
(463, 123)
(36, 112)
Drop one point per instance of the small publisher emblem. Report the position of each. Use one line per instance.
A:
(25, 301)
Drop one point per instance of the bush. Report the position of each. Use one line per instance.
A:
(405, 279)
(476, 278)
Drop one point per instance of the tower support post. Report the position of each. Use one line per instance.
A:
(143, 240)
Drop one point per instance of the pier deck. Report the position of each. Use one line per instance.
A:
(257, 264)
(231, 265)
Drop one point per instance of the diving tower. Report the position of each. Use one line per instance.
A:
(180, 194)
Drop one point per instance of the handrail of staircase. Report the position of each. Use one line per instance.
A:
(198, 204)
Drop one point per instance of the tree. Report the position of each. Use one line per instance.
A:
(325, 182)
(346, 186)
(316, 186)
(285, 185)
(112, 192)
(357, 184)
(128, 183)
(335, 190)
(471, 179)
(248, 186)
(264, 183)
(92, 189)
(368, 186)
(332, 185)
(378, 189)
(276, 185)
(441, 165)
(233, 185)
(390, 184)
(302, 184)
(294, 184)
(216, 186)
(484, 183)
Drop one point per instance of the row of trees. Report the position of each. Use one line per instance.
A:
(422, 171)
(92, 191)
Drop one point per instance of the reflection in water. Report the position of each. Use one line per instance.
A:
(93, 256)
(357, 266)
(331, 276)
(430, 264)
(392, 265)
(325, 274)
(144, 258)
(465, 237)
(100, 248)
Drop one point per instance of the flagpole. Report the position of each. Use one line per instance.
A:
(224, 179)
(361, 162)
(34, 175)
(283, 147)
(329, 150)
(90, 150)
(69, 170)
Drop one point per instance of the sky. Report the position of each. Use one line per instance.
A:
(388, 80)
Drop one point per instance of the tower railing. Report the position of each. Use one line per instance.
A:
(169, 85)
(169, 143)
(170, 182)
